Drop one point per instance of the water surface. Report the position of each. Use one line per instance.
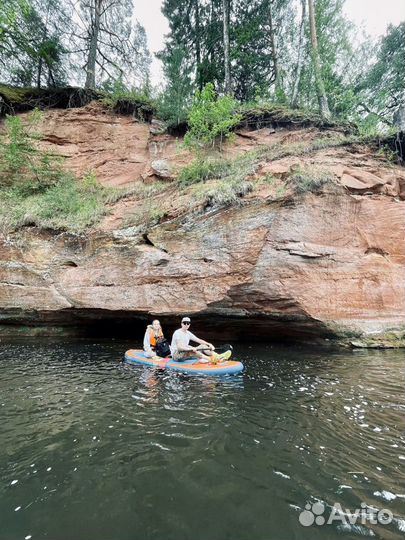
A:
(94, 449)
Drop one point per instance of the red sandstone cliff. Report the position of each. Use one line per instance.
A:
(327, 264)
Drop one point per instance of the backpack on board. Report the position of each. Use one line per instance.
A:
(162, 347)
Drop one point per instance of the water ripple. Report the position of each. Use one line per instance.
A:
(90, 445)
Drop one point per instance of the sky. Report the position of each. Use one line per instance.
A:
(373, 15)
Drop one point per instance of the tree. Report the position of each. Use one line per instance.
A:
(383, 88)
(111, 45)
(176, 97)
(221, 40)
(272, 38)
(211, 119)
(227, 59)
(31, 47)
(260, 48)
(297, 78)
(316, 62)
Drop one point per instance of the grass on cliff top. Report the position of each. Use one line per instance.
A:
(257, 115)
(130, 102)
(16, 99)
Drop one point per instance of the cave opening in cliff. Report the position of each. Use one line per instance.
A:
(212, 327)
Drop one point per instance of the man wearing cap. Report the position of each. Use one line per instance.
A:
(181, 350)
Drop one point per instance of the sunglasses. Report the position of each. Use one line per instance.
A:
(186, 323)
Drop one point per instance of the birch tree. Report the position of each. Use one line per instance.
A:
(294, 97)
(316, 62)
(272, 36)
(227, 60)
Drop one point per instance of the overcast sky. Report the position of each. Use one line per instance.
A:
(373, 15)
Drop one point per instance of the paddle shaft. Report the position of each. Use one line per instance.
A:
(219, 349)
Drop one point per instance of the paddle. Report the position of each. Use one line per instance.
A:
(223, 348)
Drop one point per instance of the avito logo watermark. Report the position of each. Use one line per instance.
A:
(315, 513)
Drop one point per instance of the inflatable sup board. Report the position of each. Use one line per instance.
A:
(228, 367)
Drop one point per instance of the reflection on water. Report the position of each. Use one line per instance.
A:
(93, 448)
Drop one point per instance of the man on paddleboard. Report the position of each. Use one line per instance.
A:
(181, 350)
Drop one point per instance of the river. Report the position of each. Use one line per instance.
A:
(92, 448)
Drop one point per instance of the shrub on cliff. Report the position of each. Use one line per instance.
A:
(22, 164)
(211, 119)
(202, 169)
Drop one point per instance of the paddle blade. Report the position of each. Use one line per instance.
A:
(224, 348)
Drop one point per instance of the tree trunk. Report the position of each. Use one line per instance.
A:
(197, 44)
(39, 73)
(44, 35)
(227, 60)
(273, 48)
(399, 118)
(91, 59)
(294, 98)
(316, 61)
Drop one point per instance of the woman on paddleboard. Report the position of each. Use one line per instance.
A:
(153, 335)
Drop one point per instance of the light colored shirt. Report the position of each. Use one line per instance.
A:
(181, 339)
(146, 342)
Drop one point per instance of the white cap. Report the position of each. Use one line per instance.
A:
(185, 319)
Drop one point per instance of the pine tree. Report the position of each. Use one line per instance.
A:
(31, 42)
(176, 97)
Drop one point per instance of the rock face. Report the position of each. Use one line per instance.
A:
(118, 148)
(324, 265)
(328, 265)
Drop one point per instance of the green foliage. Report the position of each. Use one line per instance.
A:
(89, 182)
(382, 90)
(146, 215)
(206, 168)
(36, 190)
(211, 119)
(175, 101)
(198, 26)
(67, 205)
(31, 45)
(202, 169)
(220, 182)
(223, 193)
(22, 164)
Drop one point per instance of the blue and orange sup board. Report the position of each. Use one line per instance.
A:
(229, 367)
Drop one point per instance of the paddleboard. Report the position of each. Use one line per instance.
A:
(135, 356)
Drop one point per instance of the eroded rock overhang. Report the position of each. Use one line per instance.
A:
(319, 266)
